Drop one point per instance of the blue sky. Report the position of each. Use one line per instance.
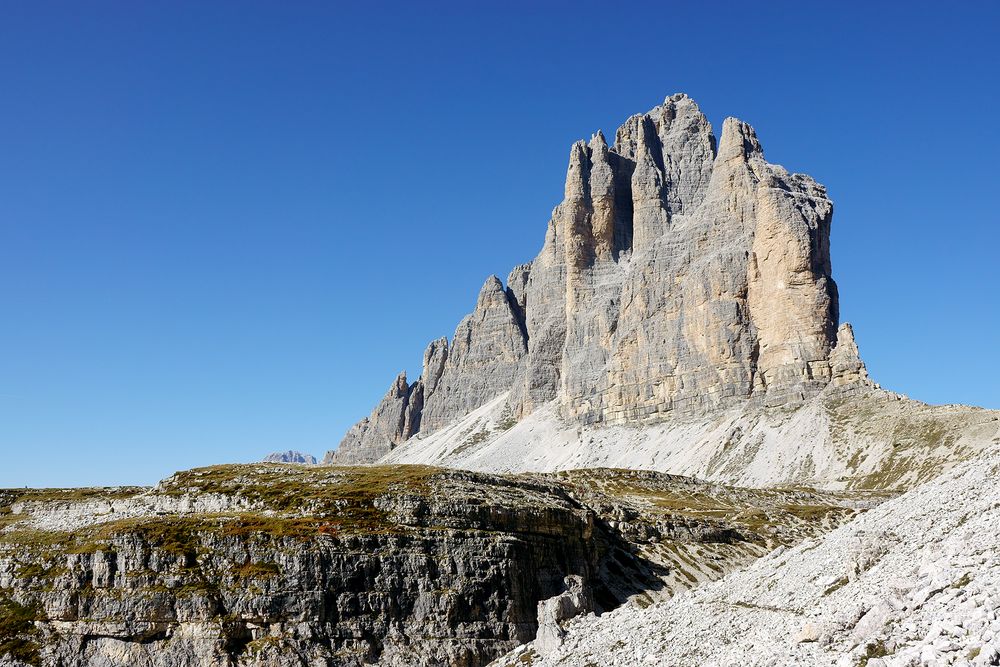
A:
(225, 227)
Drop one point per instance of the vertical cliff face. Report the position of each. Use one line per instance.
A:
(271, 565)
(723, 295)
(679, 275)
(275, 566)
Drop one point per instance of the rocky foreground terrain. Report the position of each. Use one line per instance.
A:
(915, 581)
(274, 564)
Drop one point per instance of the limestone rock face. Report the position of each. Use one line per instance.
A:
(401, 568)
(435, 357)
(679, 276)
(271, 565)
(725, 294)
(846, 366)
(554, 612)
(481, 360)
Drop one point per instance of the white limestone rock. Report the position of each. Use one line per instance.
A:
(940, 557)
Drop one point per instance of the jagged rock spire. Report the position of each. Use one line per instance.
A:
(481, 360)
(846, 365)
(602, 197)
(435, 357)
(648, 201)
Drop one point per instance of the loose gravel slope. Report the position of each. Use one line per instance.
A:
(915, 581)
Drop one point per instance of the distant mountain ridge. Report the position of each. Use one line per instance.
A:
(291, 456)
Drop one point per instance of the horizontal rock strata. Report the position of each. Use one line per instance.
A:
(273, 565)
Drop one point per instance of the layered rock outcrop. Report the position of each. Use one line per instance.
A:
(271, 565)
(289, 566)
(912, 582)
(680, 275)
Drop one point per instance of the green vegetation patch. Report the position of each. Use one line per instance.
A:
(291, 502)
(921, 437)
(38, 570)
(171, 534)
(836, 586)
(757, 510)
(812, 512)
(18, 633)
(875, 649)
(315, 490)
(10, 496)
(256, 570)
(38, 542)
(186, 536)
(7, 517)
(507, 419)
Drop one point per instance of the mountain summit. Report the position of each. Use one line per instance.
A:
(682, 279)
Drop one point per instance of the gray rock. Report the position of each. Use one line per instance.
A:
(554, 612)
(480, 363)
(405, 568)
(270, 565)
(846, 366)
(677, 277)
(481, 360)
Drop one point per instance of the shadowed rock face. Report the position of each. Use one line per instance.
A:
(680, 275)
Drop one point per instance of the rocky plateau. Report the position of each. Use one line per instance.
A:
(276, 564)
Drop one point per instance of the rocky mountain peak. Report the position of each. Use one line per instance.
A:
(739, 142)
(678, 276)
(490, 294)
(598, 143)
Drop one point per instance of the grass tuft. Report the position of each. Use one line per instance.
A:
(18, 632)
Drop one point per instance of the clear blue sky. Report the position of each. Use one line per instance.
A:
(225, 227)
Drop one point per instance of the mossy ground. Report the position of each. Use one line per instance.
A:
(18, 635)
(920, 439)
(286, 503)
(316, 489)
